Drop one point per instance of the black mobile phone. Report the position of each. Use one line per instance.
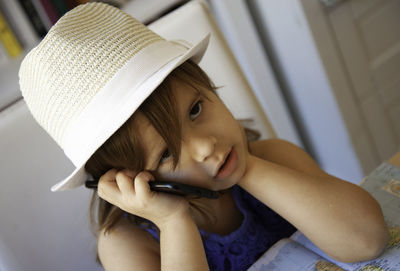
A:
(172, 188)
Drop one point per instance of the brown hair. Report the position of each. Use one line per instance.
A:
(122, 149)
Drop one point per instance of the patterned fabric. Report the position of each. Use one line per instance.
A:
(260, 229)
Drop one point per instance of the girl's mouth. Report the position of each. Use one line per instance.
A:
(228, 166)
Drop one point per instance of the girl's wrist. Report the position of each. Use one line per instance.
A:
(174, 220)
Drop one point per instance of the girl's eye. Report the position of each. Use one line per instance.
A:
(165, 156)
(196, 110)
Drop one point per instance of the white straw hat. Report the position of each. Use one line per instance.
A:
(90, 73)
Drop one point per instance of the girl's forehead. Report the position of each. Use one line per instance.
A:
(180, 86)
(184, 93)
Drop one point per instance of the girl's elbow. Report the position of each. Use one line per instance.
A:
(376, 244)
(368, 247)
(372, 237)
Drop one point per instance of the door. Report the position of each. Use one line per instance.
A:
(365, 35)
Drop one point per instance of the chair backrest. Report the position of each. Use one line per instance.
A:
(41, 230)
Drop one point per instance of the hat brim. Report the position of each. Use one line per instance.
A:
(78, 177)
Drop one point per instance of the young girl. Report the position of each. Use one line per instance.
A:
(129, 107)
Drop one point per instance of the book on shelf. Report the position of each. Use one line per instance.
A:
(33, 17)
(60, 6)
(29, 20)
(8, 39)
(73, 3)
(20, 23)
(41, 11)
(50, 11)
(299, 253)
(43, 14)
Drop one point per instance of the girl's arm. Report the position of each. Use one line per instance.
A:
(181, 245)
(129, 248)
(339, 217)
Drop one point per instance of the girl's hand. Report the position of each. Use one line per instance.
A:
(251, 162)
(131, 192)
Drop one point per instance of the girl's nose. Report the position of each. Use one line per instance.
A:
(201, 147)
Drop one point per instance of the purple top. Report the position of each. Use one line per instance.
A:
(260, 229)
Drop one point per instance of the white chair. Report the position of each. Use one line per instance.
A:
(41, 230)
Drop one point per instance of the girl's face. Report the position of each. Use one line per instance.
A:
(213, 149)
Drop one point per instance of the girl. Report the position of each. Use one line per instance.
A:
(129, 107)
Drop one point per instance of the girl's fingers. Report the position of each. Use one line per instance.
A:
(109, 176)
(142, 187)
(125, 182)
(107, 187)
(125, 187)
